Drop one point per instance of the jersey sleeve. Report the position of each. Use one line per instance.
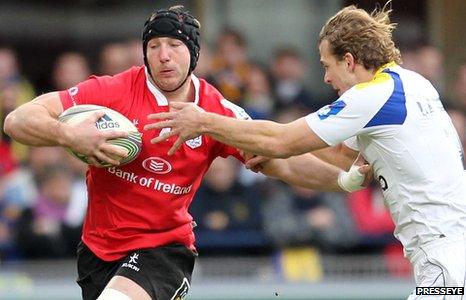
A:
(98, 90)
(235, 111)
(358, 111)
(352, 143)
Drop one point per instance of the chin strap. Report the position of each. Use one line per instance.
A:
(170, 91)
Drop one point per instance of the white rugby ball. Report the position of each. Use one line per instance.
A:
(110, 121)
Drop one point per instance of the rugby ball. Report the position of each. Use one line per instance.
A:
(110, 121)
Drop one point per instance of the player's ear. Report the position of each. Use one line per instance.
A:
(350, 60)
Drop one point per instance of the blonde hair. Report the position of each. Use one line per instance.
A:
(368, 37)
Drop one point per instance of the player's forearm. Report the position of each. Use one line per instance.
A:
(31, 124)
(336, 156)
(258, 136)
(304, 170)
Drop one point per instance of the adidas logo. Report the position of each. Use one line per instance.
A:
(106, 123)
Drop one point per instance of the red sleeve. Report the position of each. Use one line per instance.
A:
(226, 151)
(95, 90)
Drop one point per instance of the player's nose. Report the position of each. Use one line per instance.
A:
(164, 53)
(327, 78)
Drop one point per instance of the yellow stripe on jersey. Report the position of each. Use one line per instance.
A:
(379, 77)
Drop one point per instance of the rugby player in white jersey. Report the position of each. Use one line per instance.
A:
(392, 116)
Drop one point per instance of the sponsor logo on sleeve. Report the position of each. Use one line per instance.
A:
(331, 109)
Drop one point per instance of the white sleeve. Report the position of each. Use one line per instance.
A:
(353, 113)
(238, 111)
(352, 143)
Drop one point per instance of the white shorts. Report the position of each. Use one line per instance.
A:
(440, 263)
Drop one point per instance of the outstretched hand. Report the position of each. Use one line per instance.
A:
(184, 119)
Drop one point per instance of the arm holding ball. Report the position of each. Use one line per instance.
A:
(35, 123)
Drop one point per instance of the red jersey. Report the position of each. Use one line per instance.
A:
(145, 203)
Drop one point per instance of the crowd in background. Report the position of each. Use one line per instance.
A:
(43, 194)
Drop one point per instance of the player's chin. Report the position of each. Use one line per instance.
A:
(170, 83)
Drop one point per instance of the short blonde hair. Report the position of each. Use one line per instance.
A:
(368, 37)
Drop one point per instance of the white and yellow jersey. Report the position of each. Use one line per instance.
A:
(399, 124)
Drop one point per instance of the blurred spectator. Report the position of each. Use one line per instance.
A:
(204, 64)
(9, 210)
(14, 91)
(16, 190)
(427, 60)
(134, 48)
(371, 217)
(70, 68)
(115, 58)
(230, 64)
(375, 229)
(258, 99)
(295, 216)
(298, 216)
(42, 157)
(460, 87)
(227, 212)
(40, 232)
(76, 209)
(288, 69)
(458, 117)
(10, 75)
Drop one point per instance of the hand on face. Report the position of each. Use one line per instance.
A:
(184, 120)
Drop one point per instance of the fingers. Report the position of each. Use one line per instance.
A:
(159, 125)
(97, 115)
(175, 146)
(114, 134)
(114, 150)
(257, 160)
(162, 116)
(163, 137)
(360, 160)
(246, 155)
(93, 161)
(257, 168)
(178, 105)
(255, 164)
(366, 170)
(104, 158)
(100, 160)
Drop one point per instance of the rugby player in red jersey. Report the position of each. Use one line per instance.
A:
(138, 240)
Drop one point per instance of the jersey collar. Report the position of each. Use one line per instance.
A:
(160, 97)
(386, 66)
